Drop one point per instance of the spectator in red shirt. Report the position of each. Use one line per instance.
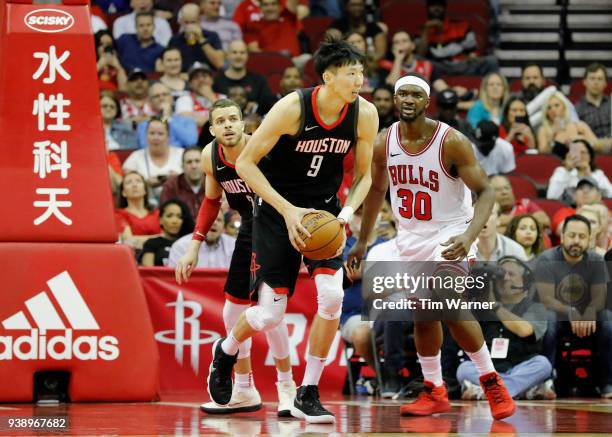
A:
(111, 75)
(515, 126)
(588, 192)
(276, 31)
(189, 185)
(404, 60)
(509, 206)
(451, 44)
(249, 11)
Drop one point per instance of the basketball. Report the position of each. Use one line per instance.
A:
(327, 234)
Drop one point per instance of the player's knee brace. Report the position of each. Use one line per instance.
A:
(269, 311)
(231, 314)
(329, 295)
(278, 340)
(244, 350)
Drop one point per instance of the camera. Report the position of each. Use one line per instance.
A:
(521, 119)
(109, 49)
(492, 274)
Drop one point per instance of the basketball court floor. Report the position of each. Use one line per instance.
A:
(179, 415)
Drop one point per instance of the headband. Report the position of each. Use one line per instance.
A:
(412, 80)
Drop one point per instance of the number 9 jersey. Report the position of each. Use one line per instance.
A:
(308, 165)
(429, 204)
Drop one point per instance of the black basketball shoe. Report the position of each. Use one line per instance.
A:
(219, 380)
(307, 406)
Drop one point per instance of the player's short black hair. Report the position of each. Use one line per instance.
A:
(224, 103)
(576, 218)
(334, 53)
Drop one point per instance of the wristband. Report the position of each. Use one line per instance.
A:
(346, 214)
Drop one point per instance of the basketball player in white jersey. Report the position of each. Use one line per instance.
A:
(431, 169)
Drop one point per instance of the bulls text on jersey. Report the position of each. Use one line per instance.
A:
(402, 174)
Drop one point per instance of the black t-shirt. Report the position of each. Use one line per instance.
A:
(255, 85)
(309, 165)
(160, 247)
(194, 53)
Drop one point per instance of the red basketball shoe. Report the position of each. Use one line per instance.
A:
(431, 400)
(500, 401)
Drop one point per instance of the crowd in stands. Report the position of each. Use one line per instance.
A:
(162, 64)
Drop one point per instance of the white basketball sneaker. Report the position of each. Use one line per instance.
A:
(242, 401)
(286, 396)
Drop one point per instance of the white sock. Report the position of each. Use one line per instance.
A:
(230, 345)
(284, 376)
(432, 369)
(482, 360)
(244, 380)
(314, 369)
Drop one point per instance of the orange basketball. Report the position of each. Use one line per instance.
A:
(326, 235)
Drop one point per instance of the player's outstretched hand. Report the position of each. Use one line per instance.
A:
(185, 266)
(458, 247)
(355, 255)
(293, 219)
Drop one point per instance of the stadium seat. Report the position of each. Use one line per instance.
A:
(577, 90)
(469, 82)
(538, 167)
(314, 28)
(607, 202)
(522, 186)
(266, 63)
(123, 154)
(274, 81)
(311, 78)
(408, 15)
(604, 162)
(550, 206)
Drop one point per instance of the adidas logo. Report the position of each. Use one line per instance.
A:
(46, 316)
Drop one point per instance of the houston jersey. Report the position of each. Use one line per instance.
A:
(238, 194)
(308, 165)
(425, 198)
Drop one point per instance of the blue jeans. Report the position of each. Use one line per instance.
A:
(518, 379)
(603, 340)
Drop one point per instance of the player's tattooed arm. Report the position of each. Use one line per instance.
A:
(459, 155)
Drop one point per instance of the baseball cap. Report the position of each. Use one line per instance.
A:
(587, 180)
(198, 66)
(447, 98)
(137, 72)
(486, 133)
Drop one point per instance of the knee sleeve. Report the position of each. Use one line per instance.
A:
(269, 311)
(231, 313)
(329, 295)
(278, 340)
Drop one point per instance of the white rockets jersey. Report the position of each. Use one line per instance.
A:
(425, 199)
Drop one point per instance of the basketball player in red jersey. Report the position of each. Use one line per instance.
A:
(430, 169)
(218, 159)
(294, 162)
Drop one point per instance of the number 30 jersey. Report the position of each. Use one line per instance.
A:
(425, 198)
(308, 166)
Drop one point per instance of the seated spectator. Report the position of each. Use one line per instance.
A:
(175, 221)
(558, 127)
(587, 193)
(534, 92)
(211, 20)
(519, 321)
(140, 50)
(136, 220)
(496, 156)
(382, 98)
(111, 75)
(170, 64)
(526, 231)
(126, 24)
(216, 252)
(259, 94)
(276, 31)
(201, 96)
(195, 43)
(251, 123)
(571, 283)
(446, 104)
(451, 44)
(290, 81)
(510, 206)
(605, 237)
(579, 163)
(594, 107)
(591, 213)
(135, 107)
(370, 72)
(117, 134)
(232, 222)
(404, 60)
(249, 11)
(183, 130)
(492, 245)
(113, 6)
(158, 160)
(515, 127)
(188, 186)
(493, 94)
(355, 20)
